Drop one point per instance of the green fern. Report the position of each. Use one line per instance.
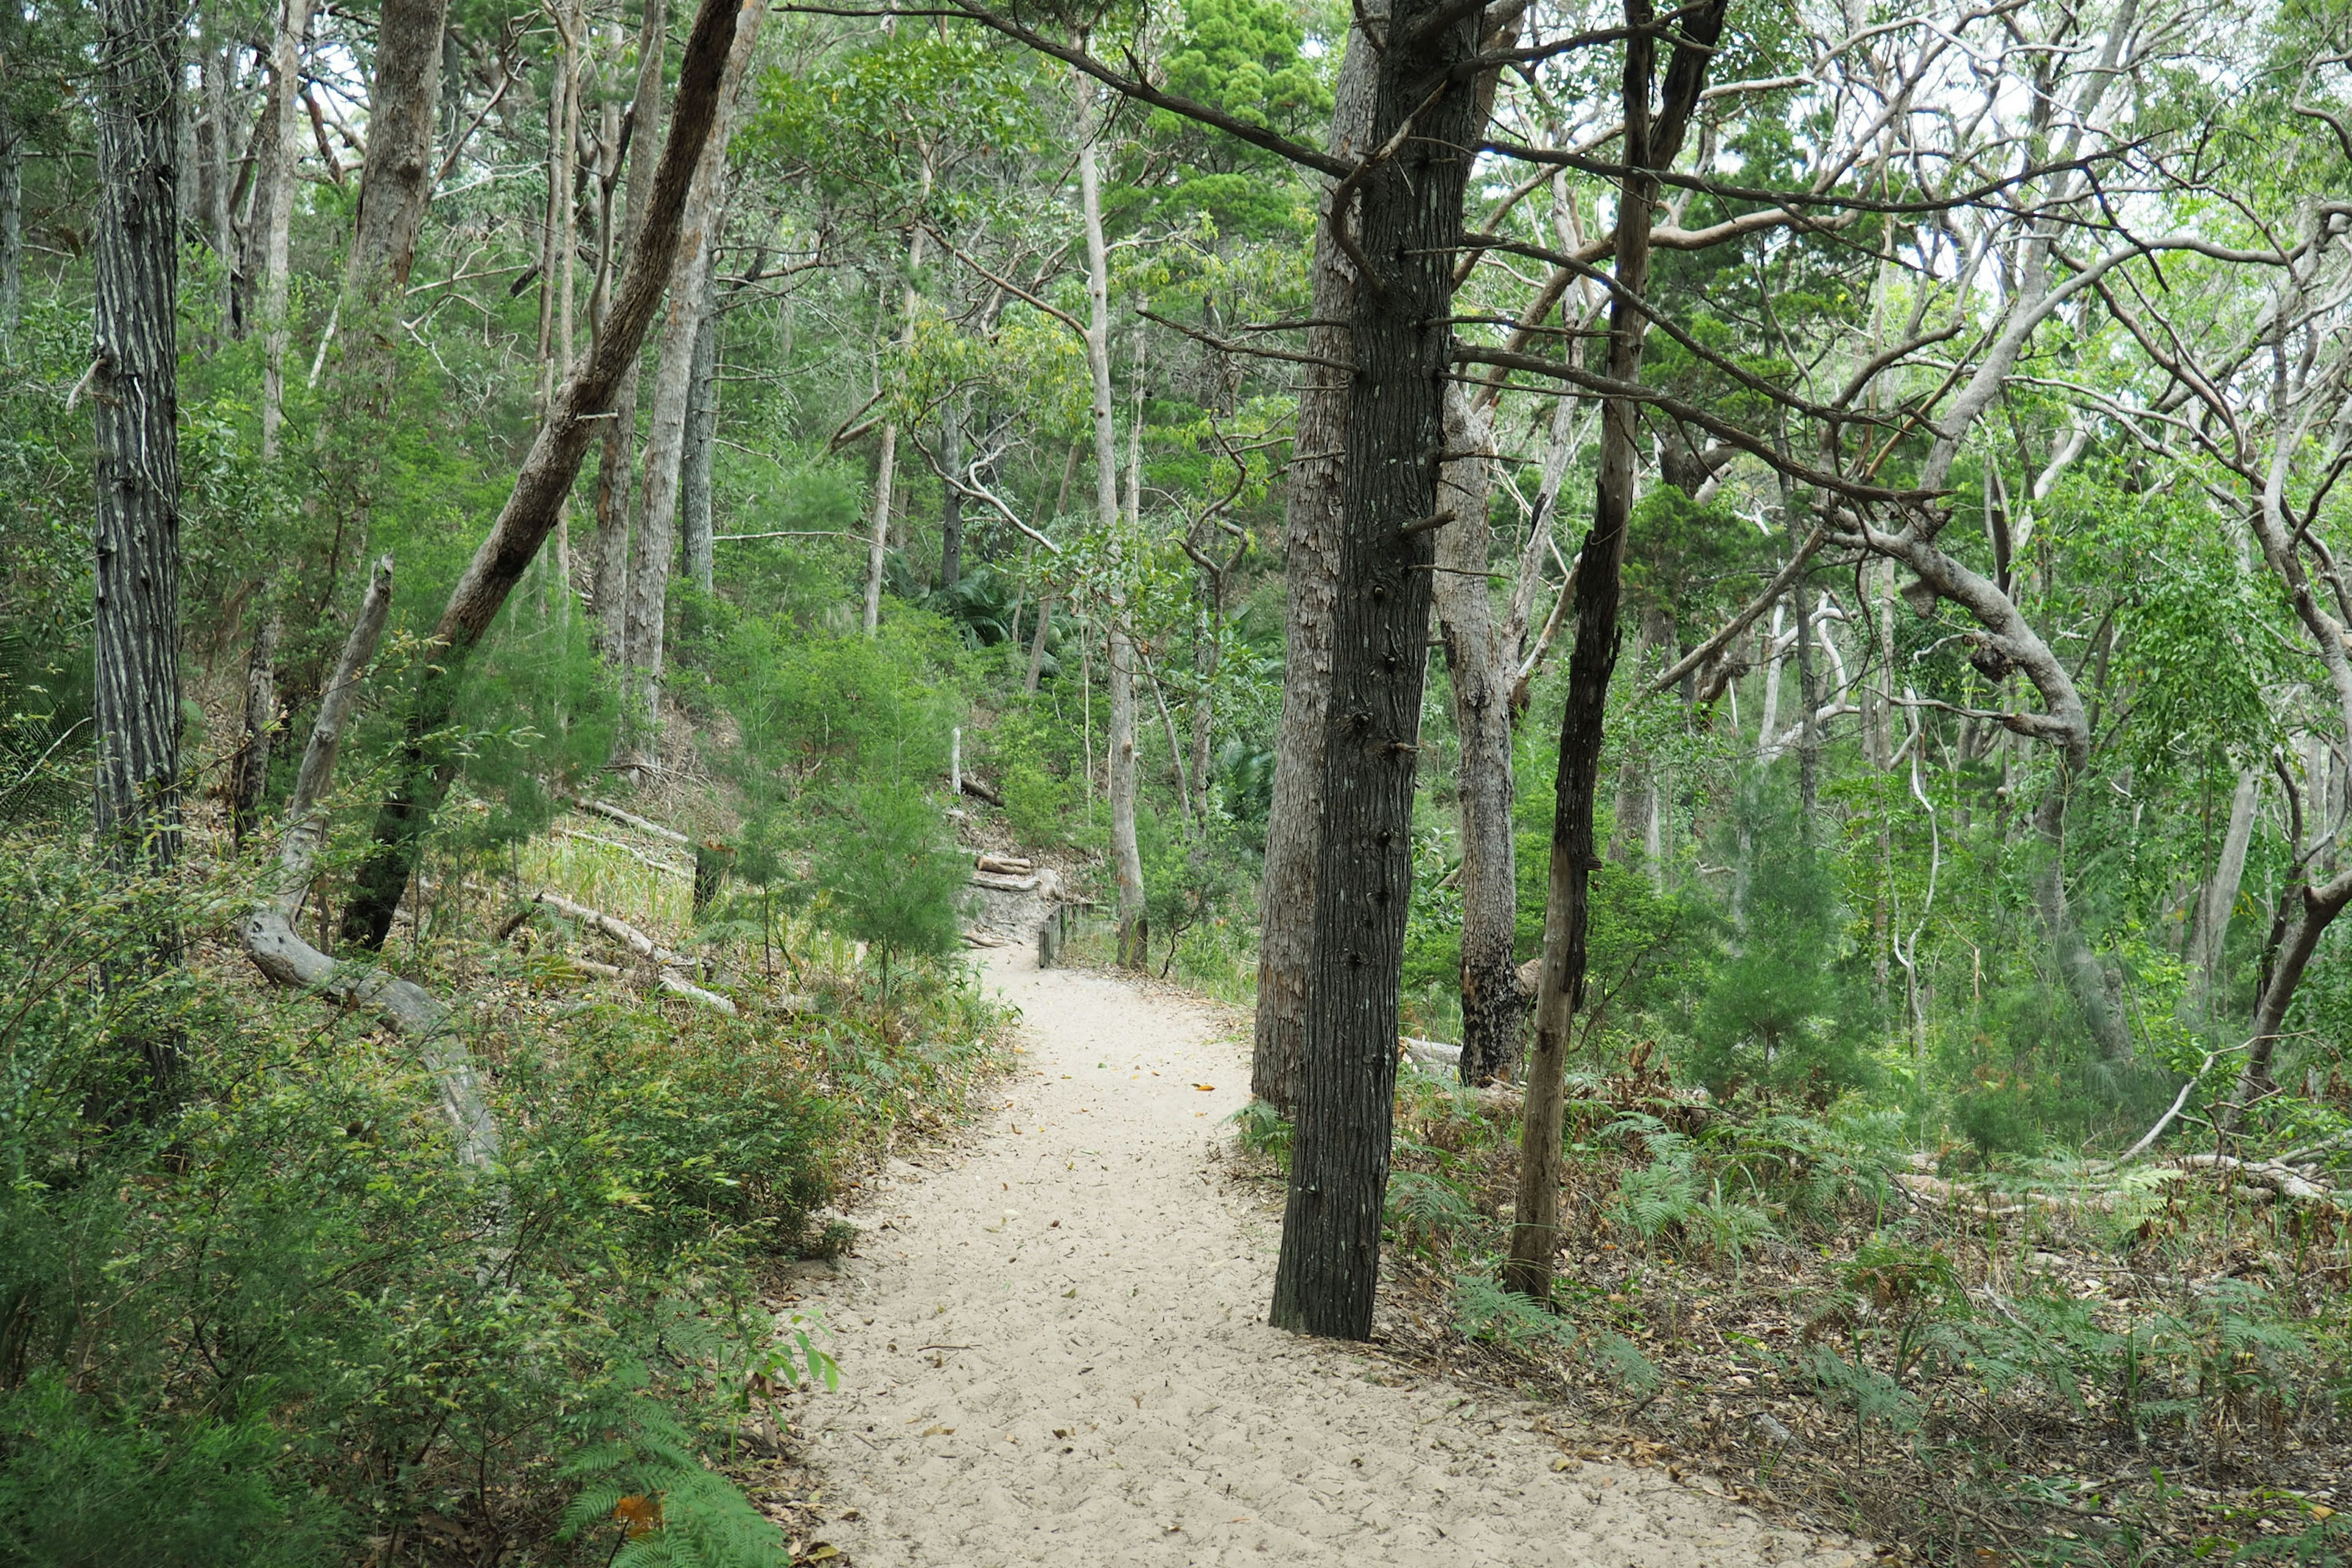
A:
(647, 1484)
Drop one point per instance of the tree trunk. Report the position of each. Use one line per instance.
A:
(1407, 220)
(12, 228)
(655, 540)
(283, 155)
(1481, 681)
(716, 52)
(1534, 1232)
(2312, 909)
(1126, 860)
(1310, 543)
(609, 564)
(885, 468)
(396, 176)
(135, 398)
(2210, 931)
(950, 497)
(701, 442)
(250, 776)
(1037, 647)
(215, 147)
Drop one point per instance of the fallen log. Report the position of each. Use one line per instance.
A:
(2280, 1179)
(667, 976)
(608, 809)
(1004, 884)
(979, 791)
(1005, 865)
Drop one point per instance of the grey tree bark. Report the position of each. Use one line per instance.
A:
(1649, 141)
(135, 399)
(608, 575)
(1400, 213)
(1126, 860)
(1481, 680)
(654, 540)
(701, 442)
(717, 54)
(283, 156)
(250, 774)
(2210, 931)
(1310, 544)
(12, 227)
(950, 497)
(885, 465)
(396, 176)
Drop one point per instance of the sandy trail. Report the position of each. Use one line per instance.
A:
(1054, 1352)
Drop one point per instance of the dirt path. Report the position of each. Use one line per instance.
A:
(1054, 1352)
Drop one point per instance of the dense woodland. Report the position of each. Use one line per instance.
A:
(1755, 581)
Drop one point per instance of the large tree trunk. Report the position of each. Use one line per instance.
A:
(1310, 546)
(694, 505)
(653, 541)
(2309, 910)
(135, 388)
(396, 176)
(283, 155)
(608, 576)
(717, 54)
(1407, 222)
(1481, 681)
(1126, 860)
(135, 396)
(1559, 993)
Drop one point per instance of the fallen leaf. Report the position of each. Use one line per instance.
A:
(1206, 1087)
(640, 1514)
(939, 1431)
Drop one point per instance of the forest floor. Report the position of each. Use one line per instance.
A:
(1054, 1350)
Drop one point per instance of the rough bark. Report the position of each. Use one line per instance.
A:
(135, 397)
(608, 588)
(1310, 545)
(1480, 677)
(1407, 222)
(12, 226)
(653, 540)
(694, 500)
(283, 155)
(249, 776)
(396, 176)
(1559, 993)
(1126, 860)
(423, 775)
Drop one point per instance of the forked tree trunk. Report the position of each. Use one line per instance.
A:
(608, 572)
(1310, 545)
(1407, 220)
(284, 155)
(1560, 994)
(2209, 934)
(1126, 860)
(1481, 681)
(424, 772)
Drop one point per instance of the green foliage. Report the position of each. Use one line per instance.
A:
(646, 1489)
(897, 881)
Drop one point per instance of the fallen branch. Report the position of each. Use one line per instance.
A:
(979, 791)
(605, 808)
(639, 855)
(644, 946)
(2278, 1178)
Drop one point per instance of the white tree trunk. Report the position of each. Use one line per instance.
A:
(1127, 861)
(885, 468)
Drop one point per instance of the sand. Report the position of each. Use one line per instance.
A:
(1054, 1352)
